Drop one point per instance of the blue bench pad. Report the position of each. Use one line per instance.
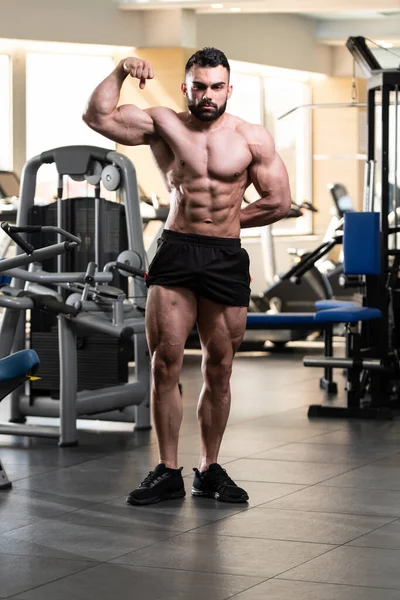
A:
(327, 304)
(18, 364)
(347, 315)
(263, 319)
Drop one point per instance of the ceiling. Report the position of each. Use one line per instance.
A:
(379, 18)
(333, 9)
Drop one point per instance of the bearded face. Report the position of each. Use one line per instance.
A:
(207, 91)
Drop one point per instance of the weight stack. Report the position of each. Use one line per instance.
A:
(102, 360)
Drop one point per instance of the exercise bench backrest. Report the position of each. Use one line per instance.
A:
(362, 243)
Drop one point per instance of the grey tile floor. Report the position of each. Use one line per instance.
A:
(322, 523)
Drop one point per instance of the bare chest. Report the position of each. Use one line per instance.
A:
(221, 154)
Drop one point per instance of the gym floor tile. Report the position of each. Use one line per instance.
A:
(175, 515)
(107, 581)
(283, 471)
(13, 523)
(17, 472)
(299, 526)
(37, 455)
(142, 461)
(20, 573)
(184, 514)
(247, 431)
(62, 539)
(122, 517)
(338, 500)
(277, 589)
(348, 565)
(362, 434)
(393, 460)
(352, 456)
(259, 491)
(30, 505)
(84, 482)
(378, 477)
(297, 418)
(314, 485)
(385, 537)
(223, 554)
(233, 446)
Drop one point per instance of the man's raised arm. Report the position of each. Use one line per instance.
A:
(126, 124)
(270, 178)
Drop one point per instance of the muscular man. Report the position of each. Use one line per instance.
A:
(200, 273)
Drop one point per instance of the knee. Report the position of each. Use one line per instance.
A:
(217, 372)
(166, 366)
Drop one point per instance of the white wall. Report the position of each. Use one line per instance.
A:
(82, 21)
(278, 40)
(281, 40)
(381, 28)
(169, 28)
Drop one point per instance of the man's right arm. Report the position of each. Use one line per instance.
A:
(126, 124)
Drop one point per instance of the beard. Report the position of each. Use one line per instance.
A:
(207, 115)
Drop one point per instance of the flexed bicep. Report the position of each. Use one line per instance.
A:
(127, 124)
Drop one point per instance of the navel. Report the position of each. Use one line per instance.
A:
(237, 174)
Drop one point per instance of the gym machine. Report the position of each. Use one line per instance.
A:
(94, 307)
(19, 367)
(372, 358)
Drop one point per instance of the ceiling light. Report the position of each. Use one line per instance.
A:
(235, 9)
(384, 44)
(217, 6)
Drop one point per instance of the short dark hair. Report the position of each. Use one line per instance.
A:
(208, 57)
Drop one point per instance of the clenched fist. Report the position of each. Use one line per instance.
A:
(138, 68)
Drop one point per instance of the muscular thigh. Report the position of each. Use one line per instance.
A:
(221, 328)
(170, 316)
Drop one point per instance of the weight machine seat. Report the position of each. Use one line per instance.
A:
(327, 304)
(346, 313)
(16, 365)
(13, 372)
(265, 320)
(350, 314)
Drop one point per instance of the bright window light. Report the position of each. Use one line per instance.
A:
(384, 44)
(58, 87)
(5, 114)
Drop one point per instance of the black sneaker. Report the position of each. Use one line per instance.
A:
(160, 484)
(216, 483)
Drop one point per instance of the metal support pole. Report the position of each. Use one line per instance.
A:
(68, 383)
(396, 147)
(19, 344)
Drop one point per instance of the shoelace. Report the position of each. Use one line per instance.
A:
(222, 478)
(147, 480)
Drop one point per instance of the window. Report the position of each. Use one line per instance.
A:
(394, 153)
(57, 89)
(6, 158)
(246, 99)
(262, 100)
(292, 136)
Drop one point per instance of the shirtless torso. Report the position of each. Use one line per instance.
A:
(206, 173)
(207, 164)
(200, 274)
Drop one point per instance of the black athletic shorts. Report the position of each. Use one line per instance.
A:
(214, 268)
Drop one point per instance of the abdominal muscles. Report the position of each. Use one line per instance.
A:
(207, 207)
